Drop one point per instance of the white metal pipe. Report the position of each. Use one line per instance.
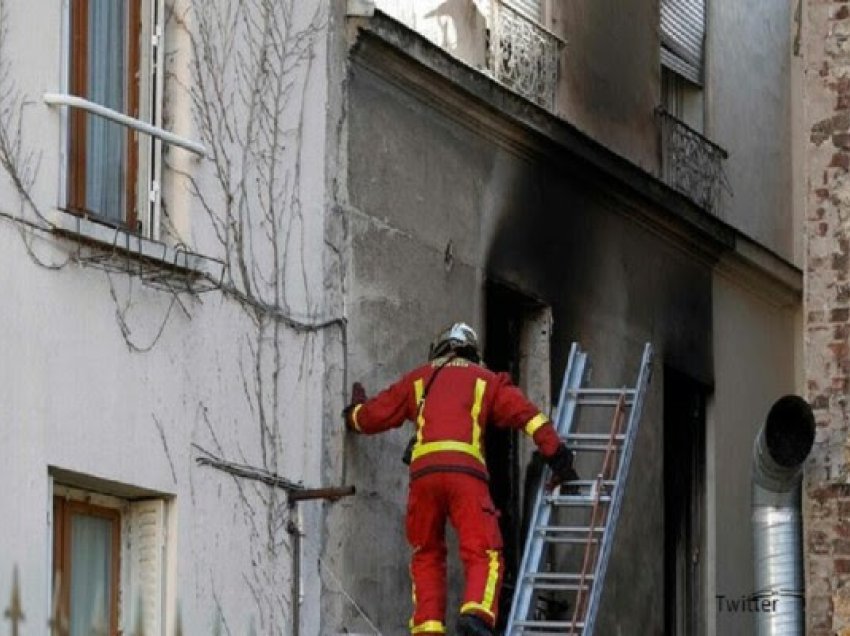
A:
(780, 449)
(72, 101)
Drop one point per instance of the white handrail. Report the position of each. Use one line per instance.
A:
(72, 101)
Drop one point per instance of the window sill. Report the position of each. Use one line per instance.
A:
(158, 264)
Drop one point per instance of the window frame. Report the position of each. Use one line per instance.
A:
(143, 83)
(64, 507)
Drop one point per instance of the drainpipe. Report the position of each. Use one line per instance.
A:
(780, 449)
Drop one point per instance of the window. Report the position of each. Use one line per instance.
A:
(682, 99)
(108, 561)
(114, 55)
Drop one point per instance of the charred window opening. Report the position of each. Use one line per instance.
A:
(517, 342)
(684, 503)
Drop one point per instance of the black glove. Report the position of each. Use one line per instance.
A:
(358, 396)
(408, 452)
(561, 464)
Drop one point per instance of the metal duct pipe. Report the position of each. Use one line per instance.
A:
(780, 449)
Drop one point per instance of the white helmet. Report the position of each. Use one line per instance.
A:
(460, 338)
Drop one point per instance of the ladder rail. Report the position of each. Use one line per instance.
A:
(619, 489)
(591, 548)
(599, 536)
(540, 516)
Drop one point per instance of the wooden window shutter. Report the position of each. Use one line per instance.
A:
(146, 560)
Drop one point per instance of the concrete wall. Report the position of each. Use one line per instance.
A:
(611, 74)
(435, 209)
(748, 103)
(108, 378)
(756, 372)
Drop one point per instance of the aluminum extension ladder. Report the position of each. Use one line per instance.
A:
(572, 528)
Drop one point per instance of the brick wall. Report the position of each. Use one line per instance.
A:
(826, 41)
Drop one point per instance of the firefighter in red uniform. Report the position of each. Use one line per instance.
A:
(452, 400)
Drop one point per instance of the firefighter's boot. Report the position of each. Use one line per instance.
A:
(471, 625)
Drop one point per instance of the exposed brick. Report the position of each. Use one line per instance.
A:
(842, 314)
(842, 566)
(841, 140)
(839, 265)
(820, 402)
(840, 159)
(842, 13)
(818, 542)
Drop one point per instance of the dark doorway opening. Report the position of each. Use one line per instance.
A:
(684, 503)
(513, 332)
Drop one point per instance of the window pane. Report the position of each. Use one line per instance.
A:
(91, 572)
(106, 141)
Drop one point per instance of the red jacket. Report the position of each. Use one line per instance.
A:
(462, 402)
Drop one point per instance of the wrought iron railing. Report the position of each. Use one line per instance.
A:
(692, 164)
(523, 55)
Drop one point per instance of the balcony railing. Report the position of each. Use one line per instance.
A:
(690, 163)
(523, 54)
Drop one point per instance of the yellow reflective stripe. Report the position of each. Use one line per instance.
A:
(535, 423)
(412, 594)
(480, 387)
(468, 608)
(449, 445)
(419, 390)
(486, 605)
(429, 626)
(354, 417)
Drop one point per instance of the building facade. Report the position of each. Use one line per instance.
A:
(207, 237)
(608, 194)
(171, 300)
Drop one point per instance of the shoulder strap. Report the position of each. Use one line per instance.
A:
(433, 377)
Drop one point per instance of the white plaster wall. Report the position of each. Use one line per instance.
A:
(75, 396)
(755, 369)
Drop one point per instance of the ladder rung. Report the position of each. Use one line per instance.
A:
(587, 483)
(545, 586)
(594, 448)
(590, 401)
(558, 576)
(576, 500)
(577, 624)
(593, 437)
(569, 529)
(598, 391)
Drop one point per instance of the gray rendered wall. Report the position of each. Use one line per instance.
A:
(611, 74)
(748, 112)
(436, 208)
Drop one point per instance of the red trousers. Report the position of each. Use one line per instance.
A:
(465, 501)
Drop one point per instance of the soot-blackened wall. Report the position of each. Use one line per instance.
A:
(437, 208)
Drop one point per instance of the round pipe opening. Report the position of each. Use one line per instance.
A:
(789, 432)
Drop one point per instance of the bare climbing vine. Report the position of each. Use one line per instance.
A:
(252, 63)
